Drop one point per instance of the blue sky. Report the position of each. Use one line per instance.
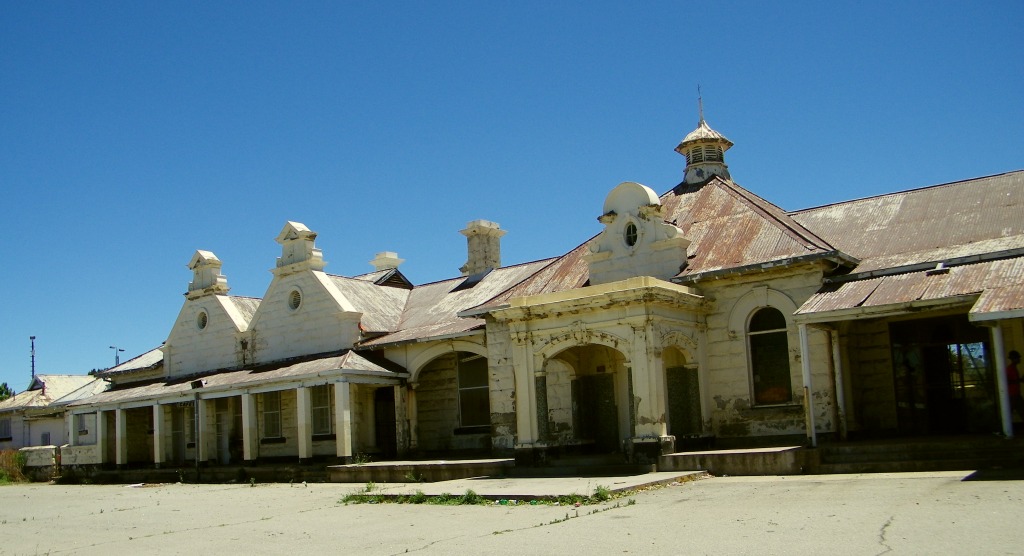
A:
(132, 134)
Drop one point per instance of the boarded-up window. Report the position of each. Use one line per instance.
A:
(271, 414)
(474, 401)
(769, 357)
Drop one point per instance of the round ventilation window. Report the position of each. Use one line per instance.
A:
(295, 299)
(630, 234)
(202, 320)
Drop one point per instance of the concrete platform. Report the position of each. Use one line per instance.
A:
(781, 460)
(428, 471)
(544, 488)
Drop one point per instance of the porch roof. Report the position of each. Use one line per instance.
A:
(348, 363)
(990, 288)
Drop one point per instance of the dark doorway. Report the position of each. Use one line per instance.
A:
(386, 425)
(683, 402)
(943, 377)
(595, 415)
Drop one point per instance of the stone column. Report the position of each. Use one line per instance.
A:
(250, 433)
(304, 411)
(413, 412)
(159, 442)
(343, 420)
(540, 379)
(120, 437)
(805, 367)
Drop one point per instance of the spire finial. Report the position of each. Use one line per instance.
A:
(700, 105)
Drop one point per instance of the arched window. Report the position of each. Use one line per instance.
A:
(768, 345)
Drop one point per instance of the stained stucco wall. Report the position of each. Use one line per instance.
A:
(190, 349)
(726, 365)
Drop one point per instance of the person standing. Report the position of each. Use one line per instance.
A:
(1013, 384)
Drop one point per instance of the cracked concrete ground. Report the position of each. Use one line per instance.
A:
(910, 513)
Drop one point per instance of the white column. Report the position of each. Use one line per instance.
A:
(837, 368)
(401, 419)
(1001, 385)
(250, 434)
(343, 419)
(101, 435)
(159, 450)
(805, 366)
(72, 430)
(120, 437)
(304, 411)
(202, 453)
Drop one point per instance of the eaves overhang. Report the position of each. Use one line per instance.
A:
(838, 257)
(890, 310)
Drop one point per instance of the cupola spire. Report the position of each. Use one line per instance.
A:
(704, 149)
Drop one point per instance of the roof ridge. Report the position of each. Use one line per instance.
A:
(786, 222)
(903, 192)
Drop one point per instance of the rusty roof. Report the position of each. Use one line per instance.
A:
(346, 363)
(147, 360)
(894, 292)
(919, 221)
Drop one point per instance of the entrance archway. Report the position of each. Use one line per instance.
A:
(587, 393)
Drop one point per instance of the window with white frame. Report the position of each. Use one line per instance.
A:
(768, 343)
(320, 402)
(474, 400)
(271, 412)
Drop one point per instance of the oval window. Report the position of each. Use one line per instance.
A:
(631, 234)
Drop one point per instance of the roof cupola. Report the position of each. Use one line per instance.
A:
(704, 149)
(206, 276)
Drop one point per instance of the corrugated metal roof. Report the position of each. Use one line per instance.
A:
(921, 221)
(147, 360)
(246, 305)
(902, 289)
(349, 361)
(433, 309)
(45, 389)
(381, 306)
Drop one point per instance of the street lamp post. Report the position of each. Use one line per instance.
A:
(117, 355)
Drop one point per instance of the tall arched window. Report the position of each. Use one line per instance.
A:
(768, 345)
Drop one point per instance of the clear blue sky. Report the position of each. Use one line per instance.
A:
(134, 133)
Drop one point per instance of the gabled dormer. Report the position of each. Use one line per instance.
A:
(298, 251)
(206, 276)
(636, 240)
(206, 335)
(302, 312)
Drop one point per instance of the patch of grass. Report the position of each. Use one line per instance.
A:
(602, 494)
(12, 467)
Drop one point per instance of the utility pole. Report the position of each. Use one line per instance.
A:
(33, 340)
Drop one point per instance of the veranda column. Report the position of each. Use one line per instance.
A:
(805, 367)
(120, 437)
(526, 391)
(401, 419)
(343, 420)
(304, 411)
(250, 435)
(202, 453)
(72, 429)
(1001, 385)
(412, 411)
(159, 451)
(101, 436)
(837, 369)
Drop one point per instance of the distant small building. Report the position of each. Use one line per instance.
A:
(35, 417)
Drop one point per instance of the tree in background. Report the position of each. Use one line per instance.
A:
(5, 392)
